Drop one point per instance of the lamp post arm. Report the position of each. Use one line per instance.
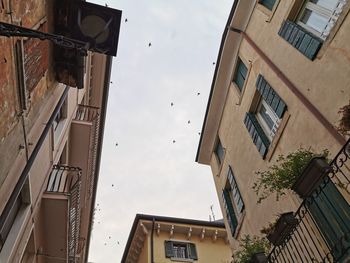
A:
(10, 30)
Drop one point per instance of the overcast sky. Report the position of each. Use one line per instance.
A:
(148, 173)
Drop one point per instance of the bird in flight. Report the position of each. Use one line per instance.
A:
(213, 63)
(198, 93)
(112, 185)
(126, 20)
(174, 141)
(171, 104)
(149, 44)
(188, 121)
(199, 133)
(116, 144)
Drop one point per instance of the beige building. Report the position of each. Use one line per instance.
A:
(159, 239)
(53, 106)
(282, 76)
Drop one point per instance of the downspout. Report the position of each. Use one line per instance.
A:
(152, 246)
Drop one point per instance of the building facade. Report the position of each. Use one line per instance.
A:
(159, 239)
(53, 105)
(281, 81)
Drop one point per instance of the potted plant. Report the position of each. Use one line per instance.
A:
(344, 122)
(311, 176)
(278, 231)
(281, 176)
(252, 250)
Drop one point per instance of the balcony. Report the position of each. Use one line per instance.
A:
(322, 233)
(84, 136)
(61, 215)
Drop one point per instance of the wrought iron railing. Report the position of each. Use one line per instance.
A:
(67, 180)
(90, 114)
(323, 231)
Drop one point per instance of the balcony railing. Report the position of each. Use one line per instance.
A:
(323, 230)
(67, 180)
(90, 114)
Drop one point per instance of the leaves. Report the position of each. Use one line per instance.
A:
(281, 176)
(250, 246)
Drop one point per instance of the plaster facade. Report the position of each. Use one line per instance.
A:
(313, 91)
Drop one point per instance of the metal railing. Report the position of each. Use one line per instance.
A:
(87, 113)
(322, 233)
(90, 114)
(67, 180)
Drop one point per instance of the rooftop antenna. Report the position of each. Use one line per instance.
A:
(212, 212)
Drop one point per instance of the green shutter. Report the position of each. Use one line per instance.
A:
(240, 74)
(169, 251)
(270, 96)
(303, 40)
(260, 140)
(230, 212)
(192, 251)
(331, 213)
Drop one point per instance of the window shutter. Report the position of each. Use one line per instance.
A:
(192, 251)
(301, 39)
(169, 251)
(270, 96)
(260, 140)
(230, 213)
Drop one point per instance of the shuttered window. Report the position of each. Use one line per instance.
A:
(262, 125)
(304, 41)
(180, 250)
(230, 212)
(240, 74)
(268, 3)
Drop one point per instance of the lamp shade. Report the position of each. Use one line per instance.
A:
(97, 25)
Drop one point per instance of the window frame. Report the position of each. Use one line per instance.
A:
(232, 186)
(269, 132)
(219, 152)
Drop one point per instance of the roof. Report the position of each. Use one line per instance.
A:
(166, 219)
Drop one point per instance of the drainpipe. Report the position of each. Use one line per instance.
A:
(152, 247)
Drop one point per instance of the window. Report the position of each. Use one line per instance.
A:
(219, 151)
(268, 3)
(319, 16)
(233, 202)
(240, 74)
(267, 119)
(262, 123)
(180, 250)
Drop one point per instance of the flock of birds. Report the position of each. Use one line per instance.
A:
(172, 104)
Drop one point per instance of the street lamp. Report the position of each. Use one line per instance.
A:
(91, 27)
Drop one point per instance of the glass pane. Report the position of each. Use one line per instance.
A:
(329, 4)
(314, 20)
(264, 114)
(220, 152)
(268, 3)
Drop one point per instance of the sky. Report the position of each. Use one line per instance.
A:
(148, 158)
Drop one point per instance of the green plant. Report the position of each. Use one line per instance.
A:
(248, 247)
(281, 176)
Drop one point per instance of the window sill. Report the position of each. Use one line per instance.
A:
(182, 259)
(269, 13)
(277, 136)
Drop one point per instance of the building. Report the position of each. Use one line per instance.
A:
(159, 239)
(281, 78)
(53, 106)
